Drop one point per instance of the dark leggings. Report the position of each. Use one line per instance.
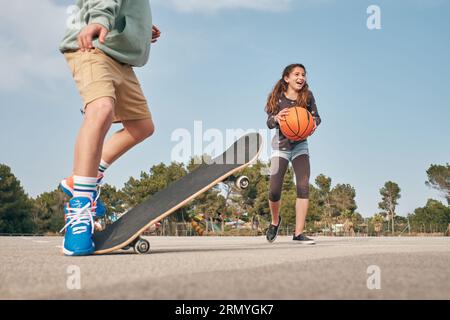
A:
(278, 168)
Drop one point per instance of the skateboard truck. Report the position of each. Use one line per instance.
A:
(140, 245)
(240, 182)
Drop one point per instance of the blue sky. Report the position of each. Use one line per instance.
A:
(382, 94)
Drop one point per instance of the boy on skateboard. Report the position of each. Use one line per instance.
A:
(110, 37)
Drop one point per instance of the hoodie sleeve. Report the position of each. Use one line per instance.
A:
(271, 122)
(103, 12)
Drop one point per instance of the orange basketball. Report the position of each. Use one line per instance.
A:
(298, 124)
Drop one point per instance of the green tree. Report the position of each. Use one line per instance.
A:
(114, 200)
(315, 210)
(48, 211)
(249, 195)
(342, 198)
(15, 205)
(439, 178)
(351, 221)
(401, 223)
(159, 177)
(390, 193)
(197, 161)
(323, 184)
(435, 215)
(288, 198)
(287, 208)
(261, 187)
(330, 203)
(210, 204)
(377, 221)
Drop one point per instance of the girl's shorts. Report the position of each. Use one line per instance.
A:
(290, 155)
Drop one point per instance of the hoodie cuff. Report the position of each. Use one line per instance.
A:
(104, 21)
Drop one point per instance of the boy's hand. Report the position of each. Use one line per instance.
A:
(155, 34)
(89, 33)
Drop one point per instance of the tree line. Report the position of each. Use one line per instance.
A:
(332, 209)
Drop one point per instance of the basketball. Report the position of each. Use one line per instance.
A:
(298, 124)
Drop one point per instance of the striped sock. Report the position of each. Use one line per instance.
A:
(84, 187)
(102, 167)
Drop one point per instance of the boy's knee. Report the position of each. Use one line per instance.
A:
(100, 111)
(150, 130)
(140, 129)
(147, 130)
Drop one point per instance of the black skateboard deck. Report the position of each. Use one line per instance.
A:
(127, 230)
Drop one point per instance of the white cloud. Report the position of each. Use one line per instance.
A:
(30, 32)
(212, 6)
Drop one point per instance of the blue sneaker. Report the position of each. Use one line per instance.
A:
(79, 227)
(98, 208)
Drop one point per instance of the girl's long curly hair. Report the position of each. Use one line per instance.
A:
(281, 87)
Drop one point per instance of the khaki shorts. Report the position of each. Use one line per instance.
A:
(97, 75)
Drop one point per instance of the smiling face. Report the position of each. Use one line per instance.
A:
(296, 80)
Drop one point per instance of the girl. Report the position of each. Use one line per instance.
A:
(291, 90)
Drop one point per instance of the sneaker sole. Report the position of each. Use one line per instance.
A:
(78, 253)
(270, 241)
(305, 242)
(69, 253)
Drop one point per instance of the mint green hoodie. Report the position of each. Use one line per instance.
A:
(129, 23)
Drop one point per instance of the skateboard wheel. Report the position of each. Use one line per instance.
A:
(242, 182)
(142, 246)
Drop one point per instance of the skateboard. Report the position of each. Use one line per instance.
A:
(126, 232)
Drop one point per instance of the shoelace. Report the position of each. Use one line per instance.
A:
(79, 219)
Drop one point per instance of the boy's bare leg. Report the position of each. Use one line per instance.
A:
(88, 148)
(133, 132)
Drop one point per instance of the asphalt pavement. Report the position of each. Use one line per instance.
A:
(231, 268)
